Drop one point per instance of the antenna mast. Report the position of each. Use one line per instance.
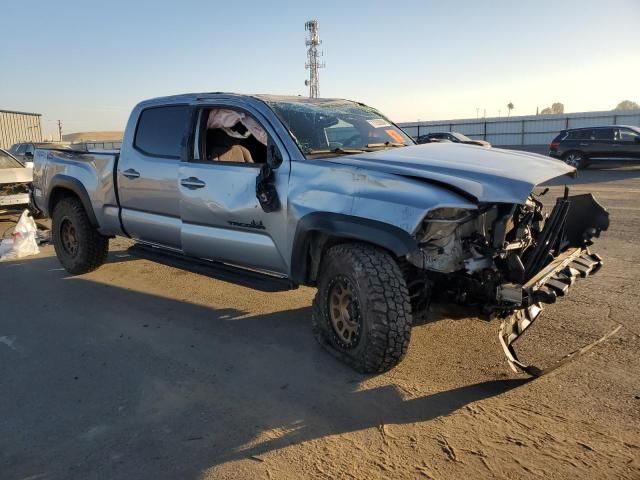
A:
(313, 58)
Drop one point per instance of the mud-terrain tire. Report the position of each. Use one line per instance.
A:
(367, 284)
(79, 246)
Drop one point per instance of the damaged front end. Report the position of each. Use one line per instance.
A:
(507, 259)
(14, 195)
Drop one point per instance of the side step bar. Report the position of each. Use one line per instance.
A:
(220, 271)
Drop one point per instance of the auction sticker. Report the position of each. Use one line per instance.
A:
(378, 123)
(395, 135)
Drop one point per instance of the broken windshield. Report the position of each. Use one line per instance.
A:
(327, 127)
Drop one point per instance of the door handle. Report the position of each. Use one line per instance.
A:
(131, 173)
(192, 183)
(584, 144)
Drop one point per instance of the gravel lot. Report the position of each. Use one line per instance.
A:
(141, 370)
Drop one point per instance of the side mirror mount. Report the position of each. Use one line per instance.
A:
(266, 192)
(274, 157)
(28, 155)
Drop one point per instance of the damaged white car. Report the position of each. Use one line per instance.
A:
(15, 179)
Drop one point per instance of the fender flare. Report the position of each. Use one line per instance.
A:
(389, 237)
(74, 185)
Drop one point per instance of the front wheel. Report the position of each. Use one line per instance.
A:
(575, 159)
(79, 246)
(362, 311)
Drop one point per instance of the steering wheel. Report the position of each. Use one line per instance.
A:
(349, 141)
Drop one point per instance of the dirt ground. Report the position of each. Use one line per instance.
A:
(141, 370)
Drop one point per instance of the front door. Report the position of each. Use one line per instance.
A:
(221, 217)
(628, 144)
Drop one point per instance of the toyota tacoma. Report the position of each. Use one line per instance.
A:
(331, 194)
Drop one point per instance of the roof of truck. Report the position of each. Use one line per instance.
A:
(190, 97)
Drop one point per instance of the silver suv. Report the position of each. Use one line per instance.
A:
(327, 193)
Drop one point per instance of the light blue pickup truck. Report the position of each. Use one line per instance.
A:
(327, 193)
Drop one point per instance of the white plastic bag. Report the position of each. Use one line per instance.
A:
(23, 242)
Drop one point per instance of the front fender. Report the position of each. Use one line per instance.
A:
(336, 225)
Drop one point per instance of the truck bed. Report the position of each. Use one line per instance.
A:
(91, 172)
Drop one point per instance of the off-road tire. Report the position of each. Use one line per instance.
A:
(92, 248)
(384, 307)
(576, 159)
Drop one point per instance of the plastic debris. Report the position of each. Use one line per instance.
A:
(23, 241)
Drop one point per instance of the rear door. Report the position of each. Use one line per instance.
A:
(221, 217)
(602, 143)
(147, 176)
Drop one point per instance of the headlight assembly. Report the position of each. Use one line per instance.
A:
(442, 222)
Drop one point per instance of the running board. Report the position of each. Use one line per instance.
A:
(217, 270)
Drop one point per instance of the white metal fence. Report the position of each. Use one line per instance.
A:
(524, 130)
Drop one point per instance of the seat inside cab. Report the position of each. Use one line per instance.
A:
(232, 136)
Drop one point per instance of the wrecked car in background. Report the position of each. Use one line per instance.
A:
(328, 193)
(15, 179)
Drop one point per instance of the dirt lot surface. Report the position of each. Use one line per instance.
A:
(141, 370)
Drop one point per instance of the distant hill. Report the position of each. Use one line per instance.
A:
(92, 136)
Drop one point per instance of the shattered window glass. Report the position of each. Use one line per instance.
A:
(325, 127)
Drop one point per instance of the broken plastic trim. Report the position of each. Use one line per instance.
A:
(551, 282)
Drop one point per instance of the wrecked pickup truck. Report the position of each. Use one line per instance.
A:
(327, 193)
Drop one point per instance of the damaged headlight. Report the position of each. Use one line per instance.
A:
(442, 222)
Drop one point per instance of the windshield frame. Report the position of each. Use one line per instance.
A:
(310, 153)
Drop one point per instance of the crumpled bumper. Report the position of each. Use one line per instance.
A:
(546, 286)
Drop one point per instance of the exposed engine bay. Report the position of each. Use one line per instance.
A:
(506, 259)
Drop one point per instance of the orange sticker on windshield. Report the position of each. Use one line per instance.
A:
(395, 136)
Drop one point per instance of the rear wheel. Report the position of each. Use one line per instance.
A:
(79, 246)
(575, 159)
(362, 312)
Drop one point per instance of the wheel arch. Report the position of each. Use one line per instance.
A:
(318, 231)
(63, 186)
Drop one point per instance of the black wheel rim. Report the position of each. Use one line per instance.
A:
(573, 159)
(68, 237)
(344, 311)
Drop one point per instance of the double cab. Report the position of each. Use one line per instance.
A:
(331, 194)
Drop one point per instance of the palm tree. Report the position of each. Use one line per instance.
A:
(510, 107)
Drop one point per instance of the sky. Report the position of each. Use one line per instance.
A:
(88, 63)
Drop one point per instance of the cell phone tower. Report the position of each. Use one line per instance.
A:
(313, 58)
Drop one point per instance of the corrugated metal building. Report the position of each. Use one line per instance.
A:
(523, 130)
(19, 127)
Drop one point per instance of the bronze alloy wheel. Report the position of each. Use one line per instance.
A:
(362, 311)
(69, 237)
(344, 312)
